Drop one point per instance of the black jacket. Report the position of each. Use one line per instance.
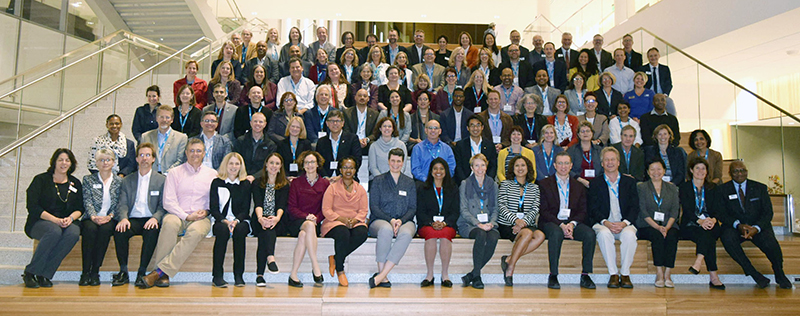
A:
(254, 153)
(463, 152)
(599, 204)
(349, 146)
(757, 205)
(428, 205)
(526, 74)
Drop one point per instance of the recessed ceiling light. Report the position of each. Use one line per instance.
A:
(77, 4)
(338, 14)
(254, 13)
(162, 39)
(496, 16)
(141, 59)
(424, 15)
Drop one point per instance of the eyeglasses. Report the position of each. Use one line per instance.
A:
(433, 128)
(310, 162)
(563, 163)
(209, 121)
(475, 125)
(335, 121)
(145, 155)
(288, 100)
(105, 160)
(196, 151)
(591, 101)
(451, 76)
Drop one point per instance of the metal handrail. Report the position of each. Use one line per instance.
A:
(709, 68)
(44, 128)
(546, 19)
(237, 30)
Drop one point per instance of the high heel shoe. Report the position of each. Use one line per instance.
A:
(716, 287)
(318, 279)
(692, 270)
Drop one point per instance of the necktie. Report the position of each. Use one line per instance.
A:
(741, 197)
(656, 84)
(566, 54)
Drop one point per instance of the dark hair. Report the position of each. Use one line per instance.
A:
(377, 131)
(492, 48)
(335, 113)
(564, 154)
(475, 117)
(695, 160)
(442, 36)
(529, 176)
(518, 129)
(251, 80)
(343, 160)
(589, 94)
(425, 92)
(449, 70)
(655, 159)
(153, 88)
(390, 68)
(209, 113)
(366, 39)
(401, 115)
(108, 118)
(302, 157)
(146, 145)
(625, 102)
(280, 178)
(653, 49)
(694, 134)
(447, 182)
(351, 35)
(458, 89)
(591, 66)
(70, 155)
(295, 59)
(571, 84)
(554, 108)
(397, 152)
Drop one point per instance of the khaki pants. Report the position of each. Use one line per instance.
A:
(171, 253)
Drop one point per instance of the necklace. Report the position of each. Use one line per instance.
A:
(59, 193)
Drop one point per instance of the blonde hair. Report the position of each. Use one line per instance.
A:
(471, 82)
(222, 171)
(298, 119)
(216, 79)
(369, 56)
(546, 127)
(105, 152)
(488, 52)
(452, 61)
(478, 156)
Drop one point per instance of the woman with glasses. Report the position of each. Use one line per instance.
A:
(305, 214)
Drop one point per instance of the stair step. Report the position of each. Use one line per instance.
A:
(15, 256)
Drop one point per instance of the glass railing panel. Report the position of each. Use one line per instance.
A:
(45, 94)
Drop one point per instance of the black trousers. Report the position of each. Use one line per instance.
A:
(555, 238)
(266, 244)
(149, 241)
(765, 240)
(95, 243)
(663, 248)
(483, 248)
(55, 243)
(345, 241)
(706, 243)
(221, 244)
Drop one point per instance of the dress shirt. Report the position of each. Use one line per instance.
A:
(209, 143)
(742, 187)
(510, 96)
(616, 212)
(458, 115)
(106, 195)
(475, 148)
(361, 131)
(615, 128)
(303, 90)
(186, 189)
(140, 207)
(546, 110)
(425, 153)
(624, 76)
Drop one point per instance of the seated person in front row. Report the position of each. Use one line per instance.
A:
(659, 208)
(229, 203)
(305, 214)
(188, 215)
(470, 146)
(270, 196)
(437, 221)
(745, 210)
(613, 206)
(170, 143)
(562, 214)
(478, 219)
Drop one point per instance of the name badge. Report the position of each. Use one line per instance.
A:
(588, 173)
(97, 186)
(520, 215)
(733, 197)
(496, 139)
(438, 218)
(648, 72)
(531, 141)
(321, 134)
(563, 214)
(476, 109)
(508, 108)
(155, 193)
(293, 167)
(522, 58)
(658, 216)
(334, 165)
(73, 189)
(666, 178)
(702, 216)
(483, 218)
(402, 193)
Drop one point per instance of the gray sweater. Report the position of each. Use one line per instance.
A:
(471, 204)
(670, 204)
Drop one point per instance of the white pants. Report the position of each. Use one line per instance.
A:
(605, 239)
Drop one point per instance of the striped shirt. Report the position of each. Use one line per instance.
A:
(508, 203)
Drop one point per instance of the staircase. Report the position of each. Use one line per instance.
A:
(168, 22)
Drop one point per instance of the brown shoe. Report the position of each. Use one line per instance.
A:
(332, 266)
(625, 282)
(613, 282)
(149, 280)
(163, 281)
(342, 279)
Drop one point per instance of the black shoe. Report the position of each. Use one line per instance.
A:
(273, 268)
(552, 282)
(509, 280)
(693, 270)
(260, 282)
(30, 281)
(781, 279)
(372, 282)
(138, 282)
(45, 282)
(94, 280)
(385, 284)
(586, 282)
(761, 280)
(120, 279)
(716, 287)
(466, 280)
(427, 283)
(219, 282)
(504, 264)
(477, 283)
(447, 283)
(318, 279)
(238, 281)
(294, 283)
(84, 281)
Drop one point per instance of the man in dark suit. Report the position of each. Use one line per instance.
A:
(523, 71)
(562, 214)
(632, 157)
(633, 60)
(745, 212)
(566, 53)
(556, 67)
(139, 212)
(273, 73)
(363, 53)
(454, 119)
(416, 51)
(217, 145)
(244, 114)
(659, 77)
(613, 219)
(337, 145)
(472, 145)
(515, 39)
(537, 53)
(603, 57)
(392, 49)
(360, 120)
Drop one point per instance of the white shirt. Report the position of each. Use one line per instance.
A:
(303, 90)
(106, 195)
(209, 143)
(616, 213)
(546, 109)
(475, 147)
(224, 195)
(458, 115)
(615, 128)
(141, 209)
(362, 123)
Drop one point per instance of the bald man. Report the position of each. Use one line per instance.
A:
(430, 149)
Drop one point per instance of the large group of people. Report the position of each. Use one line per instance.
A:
(582, 145)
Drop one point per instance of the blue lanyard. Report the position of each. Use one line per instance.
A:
(477, 99)
(294, 86)
(439, 197)
(458, 75)
(321, 74)
(294, 150)
(162, 144)
(361, 124)
(429, 70)
(620, 124)
(531, 126)
(508, 94)
(627, 158)
(608, 99)
(396, 118)
(250, 110)
(706, 156)
(658, 200)
(210, 148)
(218, 110)
(322, 119)
(336, 148)
(515, 69)
(564, 193)
(430, 150)
(522, 197)
(183, 119)
(589, 161)
(472, 150)
(700, 199)
(449, 96)
(482, 198)
(548, 162)
(611, 187)
(348, 70)
(495, 123)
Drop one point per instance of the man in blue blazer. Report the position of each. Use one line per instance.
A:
(659, 77)
(613, 208)
(745, 212)
(558, 72)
